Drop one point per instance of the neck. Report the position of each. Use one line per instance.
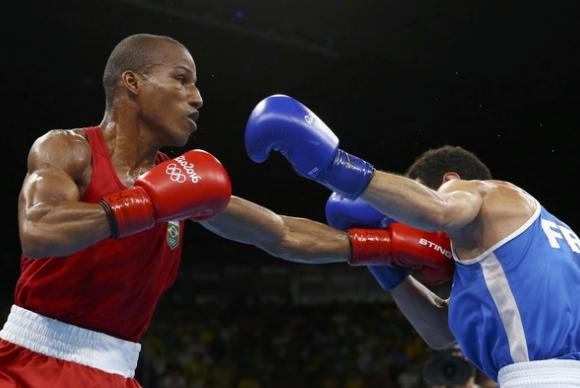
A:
(129, 143)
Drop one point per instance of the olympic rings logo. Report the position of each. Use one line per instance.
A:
(181, 170)
(175, 173)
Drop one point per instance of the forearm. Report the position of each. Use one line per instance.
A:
(291, 238)
(62, 228)
(405, 200)
(311, 242)
(426, 312)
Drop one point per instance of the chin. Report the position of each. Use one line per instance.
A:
(181, 141)
(182, 135)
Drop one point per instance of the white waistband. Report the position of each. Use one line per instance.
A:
(553, 373)
(70, 343)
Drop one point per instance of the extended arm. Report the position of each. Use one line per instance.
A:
(291, 238)
(306, 241)
(281, 123)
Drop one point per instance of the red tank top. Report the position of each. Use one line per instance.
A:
(112, 286)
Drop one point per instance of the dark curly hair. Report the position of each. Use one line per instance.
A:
(430, 166)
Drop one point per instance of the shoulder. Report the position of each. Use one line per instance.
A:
(62, 137)
(506, 206)
(511, 199)
(66, 149)
(502, 208)
(489, 190)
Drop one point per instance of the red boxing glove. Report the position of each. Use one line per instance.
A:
(403, 246)
(194, 185)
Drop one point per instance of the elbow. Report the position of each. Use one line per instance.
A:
(36, 245)
(436, 215)
(440, 341)
(32, 250)
(441, 345)
(437, 219)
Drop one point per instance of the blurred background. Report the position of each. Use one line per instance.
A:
(391, 78)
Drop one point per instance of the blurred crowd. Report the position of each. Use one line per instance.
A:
(347, 345)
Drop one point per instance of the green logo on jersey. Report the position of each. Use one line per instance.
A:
(173, 234)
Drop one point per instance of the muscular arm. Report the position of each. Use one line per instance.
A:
(291, 238)
(52, 221)
(426, 312)
(453, 206)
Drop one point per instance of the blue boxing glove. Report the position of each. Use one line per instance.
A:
(342, 213)
(283, 124)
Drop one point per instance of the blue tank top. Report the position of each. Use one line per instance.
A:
(520, 300)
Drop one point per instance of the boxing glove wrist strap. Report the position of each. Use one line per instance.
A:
(369, 246)
(128, 212)
(347, 175)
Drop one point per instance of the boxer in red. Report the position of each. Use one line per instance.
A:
(101, 218)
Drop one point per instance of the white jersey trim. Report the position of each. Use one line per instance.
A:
(67, 342)
(555, 373)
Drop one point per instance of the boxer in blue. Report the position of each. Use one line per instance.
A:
(513, 307)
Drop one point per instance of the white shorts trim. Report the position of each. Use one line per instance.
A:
(554, 373)
(70, 343)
